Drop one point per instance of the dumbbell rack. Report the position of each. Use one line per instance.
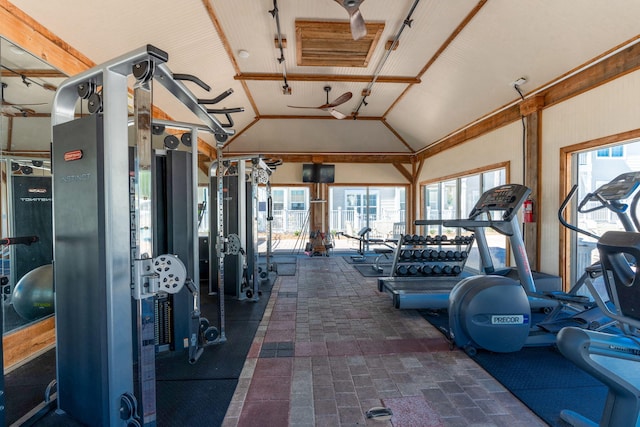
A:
(430, 256)
(429, 277)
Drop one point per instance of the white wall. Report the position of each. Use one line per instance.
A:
(502, 145)
(346, 173)
(606, 110)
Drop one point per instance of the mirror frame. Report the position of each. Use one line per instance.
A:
(21, 30)
(24, 31)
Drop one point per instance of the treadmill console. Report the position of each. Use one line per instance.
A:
(506, 198)
(619, 188)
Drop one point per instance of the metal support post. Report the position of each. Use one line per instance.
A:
(142, 237)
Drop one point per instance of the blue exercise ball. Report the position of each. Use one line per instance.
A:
(33, 296)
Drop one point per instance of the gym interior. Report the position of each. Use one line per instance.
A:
(320, 213)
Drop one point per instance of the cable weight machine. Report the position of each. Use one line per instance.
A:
(234, 187)
(103, 248)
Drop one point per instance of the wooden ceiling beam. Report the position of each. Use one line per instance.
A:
(336, 158)
(22, 30)
(32, 73)
(439, 52)
(327, 116)
(607, 68)
(400, 167)
(509, 115)
(326, 78)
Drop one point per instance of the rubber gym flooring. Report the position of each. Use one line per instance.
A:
(324, 346)
(540, 377)
(186, 395)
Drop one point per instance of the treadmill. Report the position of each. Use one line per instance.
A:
(501, 202)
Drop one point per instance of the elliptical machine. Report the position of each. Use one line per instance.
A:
(612, 358)
(494, 312)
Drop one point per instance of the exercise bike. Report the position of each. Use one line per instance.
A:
(494, 312)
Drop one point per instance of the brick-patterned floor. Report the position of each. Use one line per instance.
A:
(330, 347)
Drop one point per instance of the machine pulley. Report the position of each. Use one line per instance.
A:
(260, 176)
(234, 247)
(165, 273)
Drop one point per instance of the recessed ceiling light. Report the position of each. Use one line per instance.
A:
(243, 53)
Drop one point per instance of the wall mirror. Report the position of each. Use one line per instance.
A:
(26, 277)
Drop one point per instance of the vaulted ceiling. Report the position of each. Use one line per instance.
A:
(451, 63)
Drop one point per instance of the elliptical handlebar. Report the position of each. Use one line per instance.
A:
(633, 212)
(563, 207)
(612, 205)
(609, 196)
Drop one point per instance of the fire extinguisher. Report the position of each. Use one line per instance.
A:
(528, 210)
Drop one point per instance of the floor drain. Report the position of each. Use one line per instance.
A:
(379, 413)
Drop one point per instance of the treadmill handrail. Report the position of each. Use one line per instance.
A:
(469, 224)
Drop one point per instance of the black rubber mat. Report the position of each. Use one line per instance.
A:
(193, 403)
(356, 259)
(25, 386)
(186, 395)
(285, 269)
(220, 361)
(367, 270)
(540, 377)
(280, 259)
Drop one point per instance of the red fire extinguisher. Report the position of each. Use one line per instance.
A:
(527, 209)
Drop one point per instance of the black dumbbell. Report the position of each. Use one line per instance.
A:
(446, 269)
(402, 270)
(427, 270)
(436, 269)
(412, 270)
(456, 270)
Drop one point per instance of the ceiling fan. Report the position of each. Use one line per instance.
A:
(358, 27)
(330, 106)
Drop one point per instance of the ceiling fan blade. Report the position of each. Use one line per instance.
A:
(309, 108)
(358, 27)
(338, 101)
(337, 114)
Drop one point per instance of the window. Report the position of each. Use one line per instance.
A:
(362, 202)
(277, 198)
(289, 207)
(203, 209)
(617, 151)
(298, 200)
(593, 169)
(380, 208)
(454, 198)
